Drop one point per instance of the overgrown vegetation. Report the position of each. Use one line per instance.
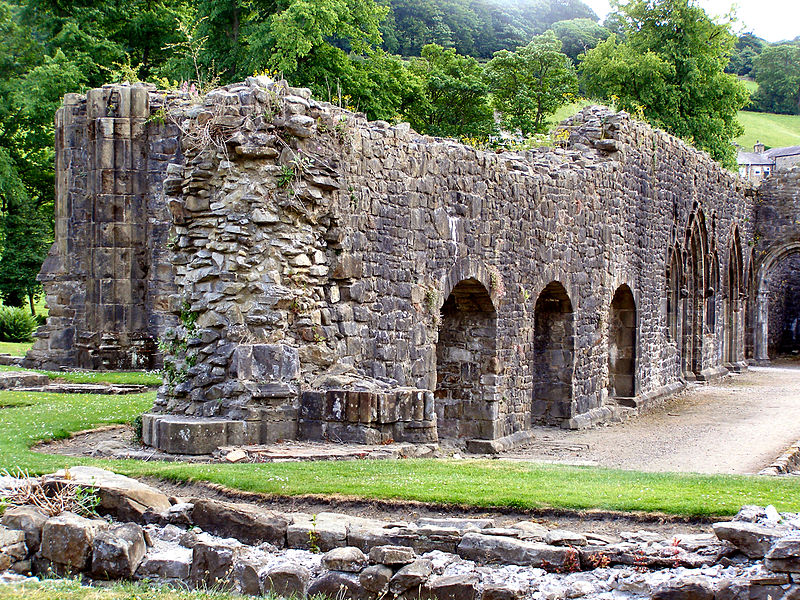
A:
(72, 589)
(32, 417)
(16, 324)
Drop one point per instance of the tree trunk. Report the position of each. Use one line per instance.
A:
(33, 306)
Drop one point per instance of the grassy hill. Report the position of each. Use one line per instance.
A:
(770, 129)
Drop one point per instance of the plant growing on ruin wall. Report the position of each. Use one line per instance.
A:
(496, 282)
(174, 346)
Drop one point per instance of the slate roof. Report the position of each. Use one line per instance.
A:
(754, 158)
(778, 152)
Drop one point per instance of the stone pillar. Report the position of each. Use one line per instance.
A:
(96, 274)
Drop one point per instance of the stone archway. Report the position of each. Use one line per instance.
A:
(465, 353)
(733, 313)
(622, 345)
(777, 302)
(694, 313)
(553, 355)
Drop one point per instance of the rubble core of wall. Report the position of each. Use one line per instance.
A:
(343, 279)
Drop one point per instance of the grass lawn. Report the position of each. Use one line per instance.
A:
(15, 348)
(120, 377)
(773, 130)
(70, 589)
(30, 417)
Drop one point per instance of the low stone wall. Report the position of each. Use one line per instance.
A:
(207, 543)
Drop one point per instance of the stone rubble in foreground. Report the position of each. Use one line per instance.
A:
(145, 535)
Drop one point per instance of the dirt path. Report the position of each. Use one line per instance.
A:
(738, 425)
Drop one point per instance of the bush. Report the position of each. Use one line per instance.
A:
(16, 324)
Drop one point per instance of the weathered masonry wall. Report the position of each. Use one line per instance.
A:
(107, 275)
(340, 279)
(774, 280)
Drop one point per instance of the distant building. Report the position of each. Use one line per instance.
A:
(758, 164)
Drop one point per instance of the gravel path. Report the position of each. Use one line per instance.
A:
(738, 425)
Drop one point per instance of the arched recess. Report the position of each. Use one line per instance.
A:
(733, 305)
(693, 316)
(466, 351)
(622, 344)
(764, 330)
(712, 291)
(674, 276)
(553, 355)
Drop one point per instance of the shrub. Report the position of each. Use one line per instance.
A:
(16, 324)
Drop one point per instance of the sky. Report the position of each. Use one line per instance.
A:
(773, 20)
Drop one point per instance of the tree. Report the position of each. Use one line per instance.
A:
(454, 101)
(671, 67)
(748, 47)
(777, 71)
(530, 84)
(579, 36)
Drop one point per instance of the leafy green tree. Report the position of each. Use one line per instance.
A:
(777, 71)
(529, 85)
(455, 99)
(579, 36)
(681, 55)
(747, 48)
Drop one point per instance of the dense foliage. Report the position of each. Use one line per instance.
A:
(16, 324)
(777, 72)
(670, 67)
(530, 84)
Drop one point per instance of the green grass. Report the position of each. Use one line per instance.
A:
(773, 130)
(71, 589)
(570, 109)
(114, 377)
(15, 348)
(486, 483)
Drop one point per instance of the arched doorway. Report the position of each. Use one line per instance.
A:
(553, 355)
(622, 344)
(694, 305)
(673, 294)
(731, 353)
(465, 352)
(777, 308)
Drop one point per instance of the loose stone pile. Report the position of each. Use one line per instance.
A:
(249, 549)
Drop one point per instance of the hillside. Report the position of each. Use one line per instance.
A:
(770, 129)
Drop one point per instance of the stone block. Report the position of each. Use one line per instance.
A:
(376, 578)
(247, 523)
(335, 405)
(27, 519)
(12, 547)
(312, 405)
(352, 406)
(325, 534)
(336, 584)
(411, 576)
(784, 556)
(454, 587)
(750, 538)
(67, 540)
(349, 559)
(286, 581)
(213, 564)
(117, 552)
(392, 555)
(501, 549)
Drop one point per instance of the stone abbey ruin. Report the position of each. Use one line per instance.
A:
(305, 274)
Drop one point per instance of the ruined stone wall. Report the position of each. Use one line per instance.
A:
(107, 275)
(775, 248)
(352, 280)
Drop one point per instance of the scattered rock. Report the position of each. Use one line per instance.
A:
(490, 549)
(454, 587)
(12, 547)
(562, 537)
(688, 589)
